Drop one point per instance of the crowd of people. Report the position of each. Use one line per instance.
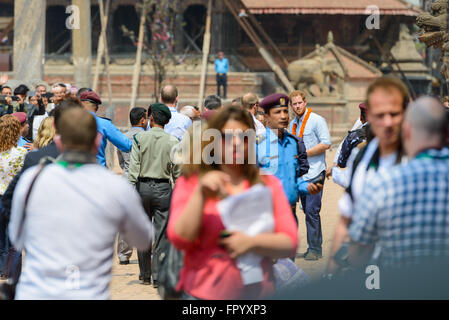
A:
(220, 184)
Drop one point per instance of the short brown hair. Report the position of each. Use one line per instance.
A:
(78, 129)
(297, 93)
(386, 83)
(9, 132)
(249, 100)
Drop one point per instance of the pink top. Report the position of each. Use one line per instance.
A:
(209, 272)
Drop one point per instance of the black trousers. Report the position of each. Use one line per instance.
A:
(156, 196)
(222, 81)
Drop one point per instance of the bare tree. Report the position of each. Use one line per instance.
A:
(159, 41)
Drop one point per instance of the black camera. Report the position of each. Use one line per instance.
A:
(318, 180)
(3, 99)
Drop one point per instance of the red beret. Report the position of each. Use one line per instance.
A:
(22, 116)
(362, 106)
(208, 114)
(274, 100)
(91, 97)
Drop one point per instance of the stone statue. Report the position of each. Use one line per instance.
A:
(316, 74)
(435, 33)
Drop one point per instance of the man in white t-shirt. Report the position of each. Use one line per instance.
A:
(69, 237)
(387, 99)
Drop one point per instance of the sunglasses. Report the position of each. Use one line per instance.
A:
(241, 135)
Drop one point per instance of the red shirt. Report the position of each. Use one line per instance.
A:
(209, 272)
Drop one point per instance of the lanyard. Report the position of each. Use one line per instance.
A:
(268, 145)
(431, 155)
(68, 165)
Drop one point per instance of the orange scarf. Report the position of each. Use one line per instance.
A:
(304, 122)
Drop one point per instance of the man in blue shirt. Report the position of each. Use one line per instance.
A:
(313, 129)
(24, 129)
(281, 154)
(105, 127)
(179, 123)
(222, 69)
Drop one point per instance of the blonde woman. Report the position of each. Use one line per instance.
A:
(45, 134)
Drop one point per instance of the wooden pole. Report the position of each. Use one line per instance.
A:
(82, 45)
(206, 50)
(100, 51)
(104, 20)
(262, 50)
(137, 65)
(264, 34)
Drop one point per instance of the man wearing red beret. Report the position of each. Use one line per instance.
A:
(282, 154)
(91, 101)
(24, 130)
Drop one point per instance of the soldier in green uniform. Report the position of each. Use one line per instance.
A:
(151, 169)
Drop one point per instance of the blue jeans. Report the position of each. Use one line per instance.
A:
(312, 207)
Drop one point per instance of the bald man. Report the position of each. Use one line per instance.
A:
(179, 123)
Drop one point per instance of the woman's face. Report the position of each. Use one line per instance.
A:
(33, 100)
(235, 142)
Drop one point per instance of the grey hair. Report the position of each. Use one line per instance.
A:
(427, 115)
(188, 111)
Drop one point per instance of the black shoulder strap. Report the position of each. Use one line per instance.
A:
(42, 165)
(355, 164)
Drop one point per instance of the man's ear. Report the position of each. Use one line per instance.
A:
(97, 144)
(406, 131)
(58, 142)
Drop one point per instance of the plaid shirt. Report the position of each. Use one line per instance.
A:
(406, 211)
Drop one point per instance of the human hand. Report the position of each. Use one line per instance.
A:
(214, 183)
(314, 188)
(237, 244)
(8, 100)
(3, 78)
(29, 146)
(329, 173)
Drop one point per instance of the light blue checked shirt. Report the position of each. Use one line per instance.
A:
(405, 210)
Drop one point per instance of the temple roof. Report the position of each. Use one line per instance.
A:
(349, 7)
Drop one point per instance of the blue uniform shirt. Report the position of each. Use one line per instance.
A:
(278, 157)
(22, 142)
(315, 132)
(178, 124)
(222, 66)
(110, 132)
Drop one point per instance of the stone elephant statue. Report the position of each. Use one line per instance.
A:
(305, 73)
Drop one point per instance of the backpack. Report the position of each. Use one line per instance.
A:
(353, 139)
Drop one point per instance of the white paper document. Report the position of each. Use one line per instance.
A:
(250, 212)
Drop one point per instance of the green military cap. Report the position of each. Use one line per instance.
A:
(162, 110)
